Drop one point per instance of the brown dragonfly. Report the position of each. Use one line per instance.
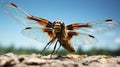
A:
(55, 32)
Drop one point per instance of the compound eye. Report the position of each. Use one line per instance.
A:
(62, 23)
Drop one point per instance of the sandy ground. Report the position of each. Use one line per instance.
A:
(71, 60)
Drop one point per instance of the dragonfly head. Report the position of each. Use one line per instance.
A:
(58, 25)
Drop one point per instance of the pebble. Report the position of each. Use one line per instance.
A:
(70, 60)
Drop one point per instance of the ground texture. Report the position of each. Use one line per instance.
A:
(71, 60)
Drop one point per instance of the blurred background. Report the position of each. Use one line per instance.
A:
(69, 11)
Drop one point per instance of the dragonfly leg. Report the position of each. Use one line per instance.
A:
(54, 48)
(45, 47)
(58, 49)
(48, 46)
(49, 43)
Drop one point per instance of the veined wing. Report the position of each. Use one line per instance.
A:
(100, 26)
(23, 17)
(43, 35)
(76, 39)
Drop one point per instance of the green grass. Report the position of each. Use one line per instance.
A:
(94, 51)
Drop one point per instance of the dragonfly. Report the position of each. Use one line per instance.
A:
(68, 36)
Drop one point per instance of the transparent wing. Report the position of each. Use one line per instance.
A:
(81, 39)
(43, 35)
(23, 17)
(100, 26)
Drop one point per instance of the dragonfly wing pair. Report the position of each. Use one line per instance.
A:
(41, 29)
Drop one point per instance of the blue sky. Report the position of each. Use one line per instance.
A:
(69, 11)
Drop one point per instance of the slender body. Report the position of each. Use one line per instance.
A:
(60, 34)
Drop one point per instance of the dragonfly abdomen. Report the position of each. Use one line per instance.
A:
(67, 45)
